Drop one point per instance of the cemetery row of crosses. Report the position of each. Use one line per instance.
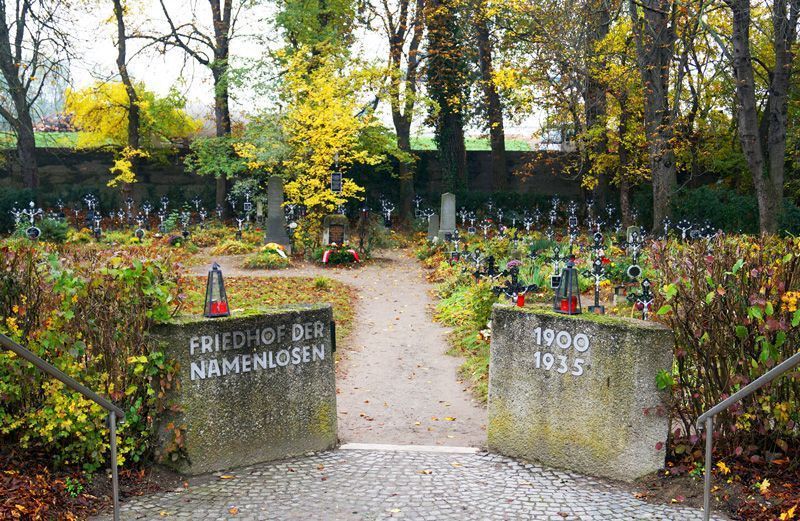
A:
(567, 248)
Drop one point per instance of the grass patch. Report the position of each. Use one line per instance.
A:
(43, 139)
(474, 347)
(247, 293)
(472, 144)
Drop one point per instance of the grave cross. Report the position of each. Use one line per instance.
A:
(642, 301)
(513, 288)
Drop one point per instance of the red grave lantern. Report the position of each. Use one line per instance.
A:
(216, 299)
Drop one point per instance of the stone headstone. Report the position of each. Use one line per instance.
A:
(447, 223)
(335, 229)
(433, 227)
(251, 388)
(276, 219)
(578, 392)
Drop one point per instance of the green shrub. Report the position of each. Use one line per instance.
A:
(232, 247)
(88, 313)
(734, 315)
(322, 283)
(266, 260)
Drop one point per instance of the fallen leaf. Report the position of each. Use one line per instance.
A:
(763, 487)
(233, 510)
(426, 471)
(227, 476)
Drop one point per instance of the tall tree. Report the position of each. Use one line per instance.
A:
(122, 67)
(598, 22)
(403, 25)
(764, 141)
(493, 103)
(654, 32)
(211, 49)
(34, 48)
(448, 85)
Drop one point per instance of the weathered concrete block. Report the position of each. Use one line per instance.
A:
(578, 392)
(251, 388)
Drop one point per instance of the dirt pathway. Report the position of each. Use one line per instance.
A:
(396, 384)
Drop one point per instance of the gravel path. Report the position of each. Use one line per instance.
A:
(395, 384)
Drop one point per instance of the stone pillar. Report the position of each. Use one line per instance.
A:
(578, 392)
(276, 219)
(250, 388)
(447, 215)
(433, 227)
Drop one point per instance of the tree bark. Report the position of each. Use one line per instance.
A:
(26, 149)
(655, 38)
(764, 142)
(494, 106)
(17, 90)
(599, 21)
(219, 71)
(446, 73)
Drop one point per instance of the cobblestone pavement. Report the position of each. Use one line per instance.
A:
(358, 484)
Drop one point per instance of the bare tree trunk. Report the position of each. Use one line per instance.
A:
(26, 151)
(133, 98)
(599, 20)
(624, 160)
(767, 169)
(494, 106)
(655, 37)
(219, 71)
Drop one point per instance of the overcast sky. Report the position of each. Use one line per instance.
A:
(95, 35)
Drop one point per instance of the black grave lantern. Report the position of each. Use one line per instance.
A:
(568, 294)
(216, 299)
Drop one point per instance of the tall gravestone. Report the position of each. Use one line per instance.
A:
(250, 389)
(578, 392)
(433, 227)
(447, 217)
(276, 219)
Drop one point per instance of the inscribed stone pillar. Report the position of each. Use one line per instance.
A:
(276, 219)
(578, 392)
(253, 388)
(447, 215)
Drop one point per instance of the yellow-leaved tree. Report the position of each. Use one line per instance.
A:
(100, 112)
(326, 124)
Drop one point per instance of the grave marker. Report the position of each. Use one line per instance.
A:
(276, 218)
(447, 222)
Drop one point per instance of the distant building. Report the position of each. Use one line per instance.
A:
(54, 123)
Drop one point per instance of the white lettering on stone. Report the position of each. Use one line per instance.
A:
(194, 343)
(239, 340)
(282, 358)
(563, 340)
(198, 371)
(230, 365)
(297, 332)
(267, 336)
(263, 360)
(260, 361)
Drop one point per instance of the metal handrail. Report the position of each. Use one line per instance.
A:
(114, 411)
(706, 420)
